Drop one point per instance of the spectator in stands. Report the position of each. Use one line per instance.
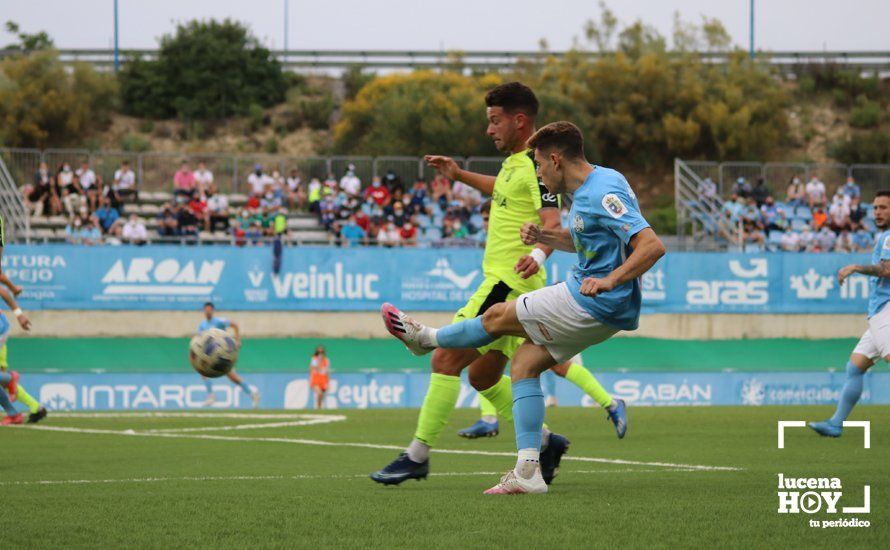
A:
(769, 214)
(270, 201)
(795, 195)
(851, 189)
(396, 213)
(42, 196)
(469, 196)
(863, 241)
(825, 240)
(742, 188)
(217, 210)
(330, 186)
(91, 234)
(363, 221)
(328, 212)
(106, 214)
(124, 184)
(238, 233)
(198, 206)
(760, 192)
(314, 195)
(790, 241)
(839, 213)
(134, 231)
(857, 212)
(752, 233)
(254, 234)
(378, 192)
(278, 183)
(184, 182)
(87, 179)
(186, 221)
(203, 178)
(71, 193)
(352, 234)
(392, 181)
(408, 234)
(844, 242)
(296, 194)
(707, 190)
(820, 218)
(168, 221)
(350, 183)
(389, 235)
(815, 190)
(72, 230)
(257, 181)
(440, 189)
(418, 201)
(807, 239)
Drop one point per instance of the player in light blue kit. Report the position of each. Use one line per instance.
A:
(875, 343)
(212, 321)
(615, 247)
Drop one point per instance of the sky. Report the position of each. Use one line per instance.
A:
(794, 25)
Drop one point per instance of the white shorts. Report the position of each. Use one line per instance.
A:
(554, 320)
(875, 343)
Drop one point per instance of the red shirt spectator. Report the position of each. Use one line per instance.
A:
(362, 220)
(253, 202)
(198, 207)
(378, 192)
(409, 234)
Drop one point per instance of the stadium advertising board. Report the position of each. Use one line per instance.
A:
(374, 390)
(359, 279)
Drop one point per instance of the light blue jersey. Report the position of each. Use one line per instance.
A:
(4, 325)
(215, 322)
(879, 287)
(604, 216)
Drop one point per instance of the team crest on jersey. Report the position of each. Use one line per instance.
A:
(886, 245)
(578, 224)
(614, 206)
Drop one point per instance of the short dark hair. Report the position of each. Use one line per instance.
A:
(513, 97)
(883, 193)
(486, 207)
(563, 136)
(209, 304)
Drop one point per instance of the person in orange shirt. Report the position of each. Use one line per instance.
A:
(319, 375)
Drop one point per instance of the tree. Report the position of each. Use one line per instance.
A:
(43, 104)
(207, 69)
(28, 42)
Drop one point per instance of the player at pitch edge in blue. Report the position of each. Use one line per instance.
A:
(615, 247)
(875, 343)
(210, 321)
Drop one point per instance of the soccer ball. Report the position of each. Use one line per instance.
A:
(213, 353)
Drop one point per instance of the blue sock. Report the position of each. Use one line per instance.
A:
(5, 378)
(6, 403)
(245, 387)
(467, 334)
(528, 413)
(208, 385)
(548, 378)
(849, 394)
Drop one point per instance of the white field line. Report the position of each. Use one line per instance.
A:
(297, 477)
(251, 416)
(242, 426)
(315, 442)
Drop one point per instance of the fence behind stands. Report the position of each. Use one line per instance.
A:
(155, 170)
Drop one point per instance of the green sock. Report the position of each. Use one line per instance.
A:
(440, 400)
(501, 397)
(28, 401)
(487, 407)
(582, 378)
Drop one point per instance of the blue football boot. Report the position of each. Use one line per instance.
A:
(618, 417)
(557, 446)
(826, 429)
(480, 429)
(400, 469)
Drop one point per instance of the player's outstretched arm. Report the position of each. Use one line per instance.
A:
(450, 169)
(237, 330)
(556, 238)
(875, 270)
(16, 310)
(647, 249)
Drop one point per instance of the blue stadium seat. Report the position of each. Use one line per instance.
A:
(753, 247)
(775, 236)
(804, 212)
(423, 221)
(476, 221)
(433, 234)
(436, 209)
(799, 224)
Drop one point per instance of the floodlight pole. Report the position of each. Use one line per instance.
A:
(285, 30)
(117, 63)
(751, 30)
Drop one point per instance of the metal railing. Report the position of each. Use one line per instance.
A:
(479, 60)
(155, 170)
(16, 223)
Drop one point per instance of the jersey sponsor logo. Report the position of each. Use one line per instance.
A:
(499, 199)
(614, 206)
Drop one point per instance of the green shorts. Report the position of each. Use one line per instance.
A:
(492, 291)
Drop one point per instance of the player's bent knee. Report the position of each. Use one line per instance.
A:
(447, 362)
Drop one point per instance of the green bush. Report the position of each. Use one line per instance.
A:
(255, 116)
(135, 144)
(207, 69)
(146, 126)
(867, 114)
(863, 148)
(271, 145)
(316, 112)
(43, 104)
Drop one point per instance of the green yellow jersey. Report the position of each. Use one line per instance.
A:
(517, 198)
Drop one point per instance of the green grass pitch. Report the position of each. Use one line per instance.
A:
(683, 477)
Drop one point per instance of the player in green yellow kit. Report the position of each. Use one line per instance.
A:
(510, 268)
